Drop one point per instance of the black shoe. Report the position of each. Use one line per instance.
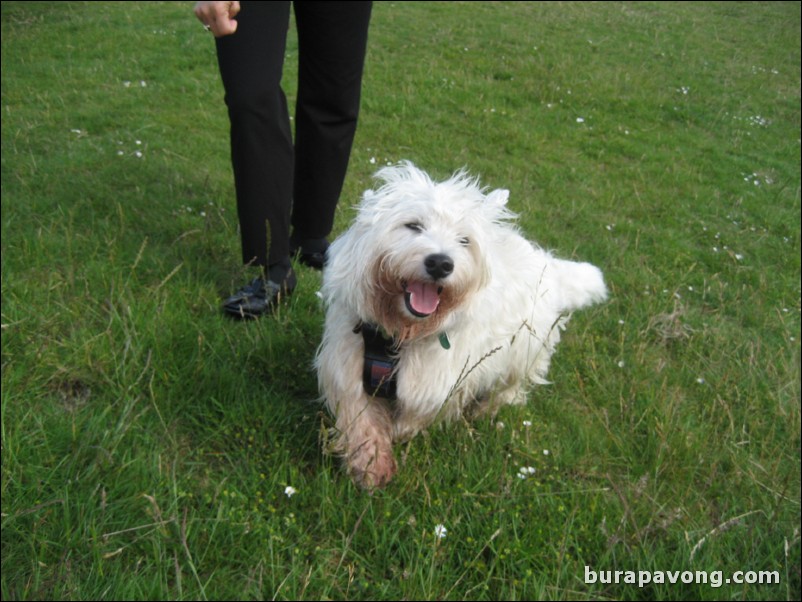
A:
(311, 253)
(258, 298)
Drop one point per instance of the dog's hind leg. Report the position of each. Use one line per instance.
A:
(490, 404)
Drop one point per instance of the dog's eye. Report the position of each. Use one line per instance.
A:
(415, 226)
(464, 241)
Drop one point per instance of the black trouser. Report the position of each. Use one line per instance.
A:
(279, 184)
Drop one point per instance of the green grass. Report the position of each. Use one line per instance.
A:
(147, 441)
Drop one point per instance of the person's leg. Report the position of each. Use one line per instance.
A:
(332, 39)
(251, 62)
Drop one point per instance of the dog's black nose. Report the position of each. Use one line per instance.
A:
(438, 265)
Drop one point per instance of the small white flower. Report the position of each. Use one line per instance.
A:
(138, 154)
(739, 257)
(700, 380)
(621, 364)
(373, 160)
(527, 423)
(580, 120)
(290, 491)
(440, 531)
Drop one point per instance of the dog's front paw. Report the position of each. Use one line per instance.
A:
(372, 466)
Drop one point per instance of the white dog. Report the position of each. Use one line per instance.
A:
(435, 302)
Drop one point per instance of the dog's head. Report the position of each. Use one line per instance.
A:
(415, 252)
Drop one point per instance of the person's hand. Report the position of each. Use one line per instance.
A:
(218, 17)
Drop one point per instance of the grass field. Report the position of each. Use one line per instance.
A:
(148, 443)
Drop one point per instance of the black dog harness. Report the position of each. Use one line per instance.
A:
(381, 360)
(379, 375)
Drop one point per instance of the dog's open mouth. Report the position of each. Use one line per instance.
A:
(422, 298)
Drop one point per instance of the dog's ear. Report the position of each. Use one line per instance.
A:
(498, 198)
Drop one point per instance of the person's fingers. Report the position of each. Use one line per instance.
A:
(217, 16)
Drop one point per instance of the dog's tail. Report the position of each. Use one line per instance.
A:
(580, 284)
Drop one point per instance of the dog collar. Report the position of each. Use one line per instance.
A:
(381, 359)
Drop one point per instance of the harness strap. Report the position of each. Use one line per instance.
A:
(381, 359)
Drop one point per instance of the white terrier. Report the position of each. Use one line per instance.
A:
(435, 303)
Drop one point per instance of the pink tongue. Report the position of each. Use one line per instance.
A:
(423, 297)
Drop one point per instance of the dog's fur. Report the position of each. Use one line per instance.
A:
(499, 301)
